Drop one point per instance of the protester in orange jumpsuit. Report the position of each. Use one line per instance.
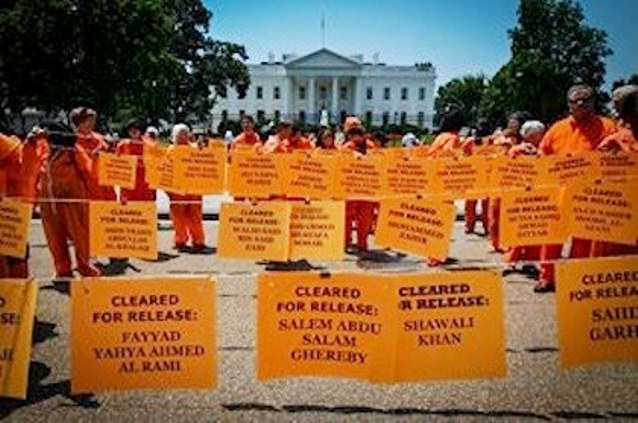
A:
(84, 119)
(20, 167)
(625, 140)
(134, 146)
(63, 193)
(448, 141)
(287, 139)
(477, 145)
(186, 210)
(248, 138)
(532, 132)
(506, 140)
(358, 212)
(326, 141)
(581, 132)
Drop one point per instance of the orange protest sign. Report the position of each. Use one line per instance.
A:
(142, 334)
(563, 170)
(166, 172)
(260, 231)
(123, 230)
(317, 230)
(17, 311)
(519, 172)
(450, 325)
(256, 175)
(533, 217)
(120, 170)
(335, 325)
(596, 308)
(603, 212)
(459, 178)
(359, 176)
(310, 176)
(15, 219)
(153, 158)
(405, 175)
(618, 167)
(200, 171)
(418, 226)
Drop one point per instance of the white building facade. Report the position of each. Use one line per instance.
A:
(326, 84)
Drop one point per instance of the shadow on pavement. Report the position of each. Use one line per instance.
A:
(38, 392)
(43, 331)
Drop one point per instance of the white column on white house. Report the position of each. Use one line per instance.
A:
(357, 96)
(290, 97)
(335, 98)
(311, 100)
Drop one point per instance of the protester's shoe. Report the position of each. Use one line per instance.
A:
(352, 249)
(182, 248)
(201, 249)
(544, 287)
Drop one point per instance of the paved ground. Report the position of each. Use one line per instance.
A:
(535, 388)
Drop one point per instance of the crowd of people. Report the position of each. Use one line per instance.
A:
(56, 168)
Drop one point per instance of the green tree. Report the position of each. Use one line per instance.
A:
(123, 57)
(552, 48)
(465, 93)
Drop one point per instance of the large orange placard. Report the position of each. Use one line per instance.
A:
(603, 212)
(317, 230)
(533, 217)
(421, 226)
(463, 178)
(519, 172)
(254, 231)
(17, 312)
(123, 231)
(117, 170)
(597, 312)
(563, 170)
(15, 219)
(618, 167)
(315, 325)
(359, 176)
(310, 175)
(142, 334)
(256, 175)
(405, 174)
(450, 325)
(200, 171)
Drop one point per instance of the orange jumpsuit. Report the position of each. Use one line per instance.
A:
(568, 136)
(67, 177)
(142, 191)
(277, 145)
(187, 216)
(93, 143)
(504, 143)
(359, 213)
(470, 148)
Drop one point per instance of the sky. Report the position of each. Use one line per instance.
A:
(459, 37)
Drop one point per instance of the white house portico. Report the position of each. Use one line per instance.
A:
(324, 82)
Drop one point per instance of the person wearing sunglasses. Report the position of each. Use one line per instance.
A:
(582, 131)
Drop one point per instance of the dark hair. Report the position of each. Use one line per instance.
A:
(629, 107)
(58, 133)
(80, 114)
(452, 121)
(134, 123)
(520, 116)
(249, 118)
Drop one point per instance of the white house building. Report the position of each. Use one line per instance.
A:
(327, 84)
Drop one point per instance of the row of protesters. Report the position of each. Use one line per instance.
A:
(20, 166)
